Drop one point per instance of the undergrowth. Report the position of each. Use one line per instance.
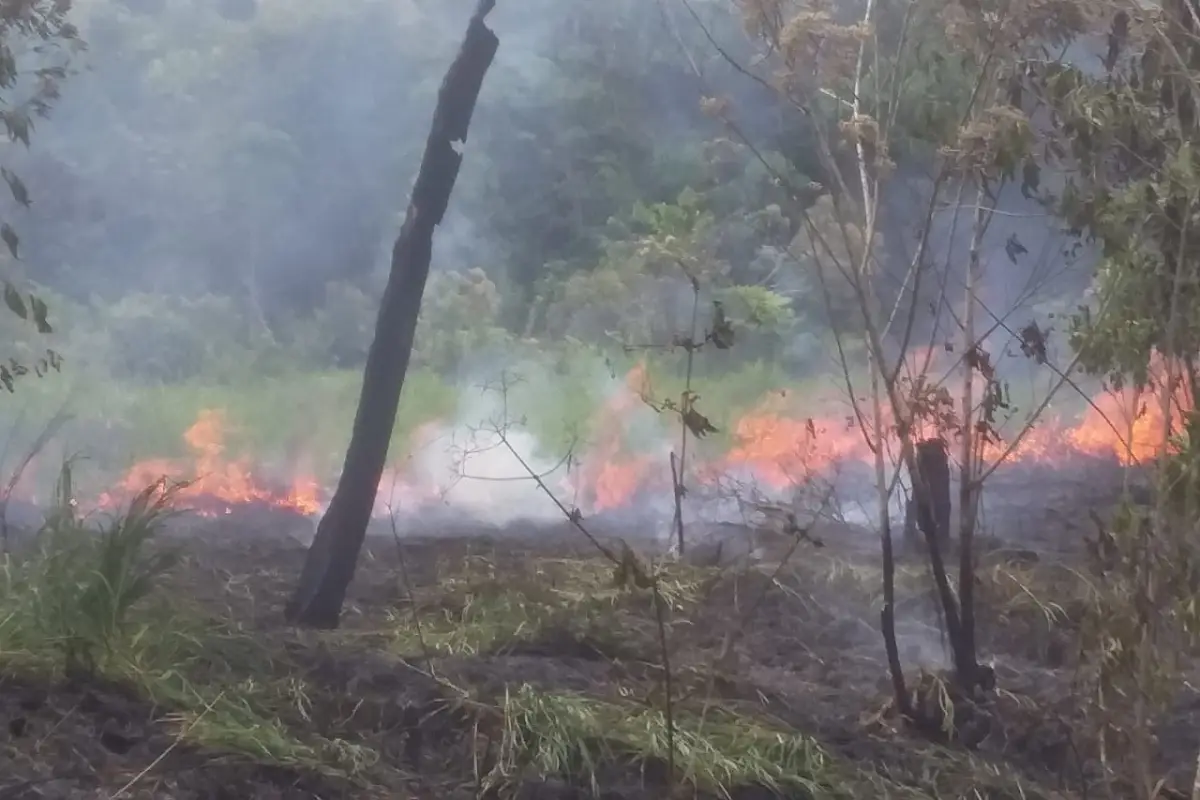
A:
(98, 599)
(574, 735)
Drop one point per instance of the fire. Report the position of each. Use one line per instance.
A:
(610, 475)
(776, 443)
(782, 448)
(214, 480)
(216, 483)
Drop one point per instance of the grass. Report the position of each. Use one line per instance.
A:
(479, 606)
(575, 735)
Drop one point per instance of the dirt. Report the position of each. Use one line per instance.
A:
(91, 739)
(800, 655)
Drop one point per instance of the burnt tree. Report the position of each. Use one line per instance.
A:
(929, 509)
(333, 556)
(928, 514)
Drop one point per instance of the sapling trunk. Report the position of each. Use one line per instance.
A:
(968, 490)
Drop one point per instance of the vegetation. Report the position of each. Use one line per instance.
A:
(942, 215)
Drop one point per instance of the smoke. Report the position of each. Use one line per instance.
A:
(488, 477)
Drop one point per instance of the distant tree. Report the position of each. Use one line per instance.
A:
(36, 44)
(333, 556)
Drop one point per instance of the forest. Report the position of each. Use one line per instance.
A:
(676, 398)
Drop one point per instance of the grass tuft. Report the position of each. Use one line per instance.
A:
(574, 736)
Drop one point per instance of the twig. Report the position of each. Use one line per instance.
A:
(576, 519)
(573, 515)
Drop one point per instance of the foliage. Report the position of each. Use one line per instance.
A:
(1133, 189)
(82, 583)
(36, 43)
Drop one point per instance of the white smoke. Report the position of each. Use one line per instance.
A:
(490, 477)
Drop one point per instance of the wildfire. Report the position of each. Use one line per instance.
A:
(782, 448)
(215, 482)
(774, 443)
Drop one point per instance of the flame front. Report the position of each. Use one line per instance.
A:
(774, 443)
(214, 483)
(782, 448)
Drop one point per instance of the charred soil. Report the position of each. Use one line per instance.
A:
(509, 664)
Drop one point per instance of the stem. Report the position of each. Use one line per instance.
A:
(964, 648)
(679, 487)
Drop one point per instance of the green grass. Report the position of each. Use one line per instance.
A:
(573, 735)
(477, 606)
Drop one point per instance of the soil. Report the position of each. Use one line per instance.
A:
(804, 656)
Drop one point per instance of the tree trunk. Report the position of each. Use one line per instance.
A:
(931, 497)
(928, 511)
(965, 662)
(887, 625)
(332, 557)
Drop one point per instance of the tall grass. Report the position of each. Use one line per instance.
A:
(71, 589)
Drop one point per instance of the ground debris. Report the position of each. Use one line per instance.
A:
(512, 665)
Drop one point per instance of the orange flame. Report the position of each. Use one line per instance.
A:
(212, 477)
(782, 448)
(774, 443)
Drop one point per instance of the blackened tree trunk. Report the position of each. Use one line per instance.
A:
(932, 491)
(932, 510)
(333, 556)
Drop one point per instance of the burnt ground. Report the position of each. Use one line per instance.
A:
(507, 663)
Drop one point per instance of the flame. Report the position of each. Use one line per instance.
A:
(781, 447)
(611, 475)
(776, 443)
(214, 482)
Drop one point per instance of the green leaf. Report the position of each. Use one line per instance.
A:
(12, 298)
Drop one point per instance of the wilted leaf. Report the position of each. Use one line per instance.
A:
(40, 312)
(10, 239)
(18, 126)
(1033, 343)
(1031, 178)
(722, 334)
(19, 192)
(12, 298)
(1014, 249)
(697, 423)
